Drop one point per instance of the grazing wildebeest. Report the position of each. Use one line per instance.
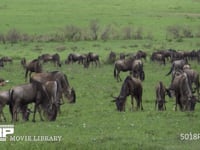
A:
(55, 58)
(73, 57)
(183, 93)
(61, 78)
(122, 65)
(33, 66)
(177, 65)
(137, 69)
(161, 91)
(193, 77)
(133, 87)
(22, 95)
(91, 57)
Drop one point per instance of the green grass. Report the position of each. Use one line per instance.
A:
(93, 122)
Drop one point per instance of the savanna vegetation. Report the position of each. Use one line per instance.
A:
(30, 28)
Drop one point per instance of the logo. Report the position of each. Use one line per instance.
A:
(5, 130)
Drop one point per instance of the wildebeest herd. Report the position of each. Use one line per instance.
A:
(46, 89)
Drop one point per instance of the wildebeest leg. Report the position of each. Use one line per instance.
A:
(35, 108)
(118, 76)
(3, 115)
(132, 103)
(156, 102)
(40, 113)
(26, 74)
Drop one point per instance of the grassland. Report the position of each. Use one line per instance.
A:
(93, 122)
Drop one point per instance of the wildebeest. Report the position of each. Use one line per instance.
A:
(158, 57)
(1, 63)
(62, 80)
(93, 58)
(177, 65)
(6, 59)
(32, 66)
(141, 54)
(183, 93)
(111, 57)
(131, 86)
(122, 65)
(74, 57)
(4, 100)
(193, 77)
(22, 95)
(161, 91)
(55, 58)
(137, 69)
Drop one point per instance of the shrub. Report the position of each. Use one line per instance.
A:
(127, 33)
(13, 36)
(138, 34)
(94, 27)
(72, 33)
(105, 33)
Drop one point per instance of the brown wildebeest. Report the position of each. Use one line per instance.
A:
(184, 98)
(73, 57)
(61, 78)
(111, 57)
(141, 54)
(161, 91)
(33, 66)
(22, 95)
(55, 58)
(133, 87)
(5, 100)
(91, 57)
(1, 63)
(6, 59)
(158, 57)
(122, 65)
(137, 69)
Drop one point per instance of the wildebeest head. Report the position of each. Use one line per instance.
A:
(120, 103)
(191, 103)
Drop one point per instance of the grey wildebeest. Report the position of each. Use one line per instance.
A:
(161, 91)
(122, 65)
(62, 80)
(177, 65)
(193, 77)
(22, 95)
(74, 57)
(91, 57)
(137, 69)
(131, 86)
(32, 66)
(4, 100)
(183, 93)
(55, 58)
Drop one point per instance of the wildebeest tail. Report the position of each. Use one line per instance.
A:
(11, 102)
(171, 69)
(115, 72)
